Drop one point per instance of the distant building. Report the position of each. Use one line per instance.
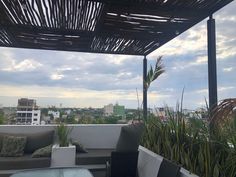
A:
(64, 116)
(68, 111)
(199, 113)
(46, 119)
(163, 112)
(119, 110)
(55, 114)
(108, 110)
(116, 110)
(27, 112)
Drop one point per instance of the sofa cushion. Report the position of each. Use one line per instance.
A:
(13, 146)
(79, 147)
(43, 152)
(23, 162)
(34, 141)
(130, 136)
(38, 140)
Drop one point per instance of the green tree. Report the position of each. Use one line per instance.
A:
(71, 120)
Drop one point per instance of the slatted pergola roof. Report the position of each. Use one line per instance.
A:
(133, 27)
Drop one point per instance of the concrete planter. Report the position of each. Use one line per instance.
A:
(63, 156)
(149, 164)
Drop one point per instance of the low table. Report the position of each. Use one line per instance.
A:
(55, 172)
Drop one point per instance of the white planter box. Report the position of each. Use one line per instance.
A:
(63, 156)
(149, 164)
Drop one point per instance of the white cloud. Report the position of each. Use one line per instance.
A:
(22, 66)
(56, 76)
(223, 89)
(65, 68)
(224, 19)
(118, 59)
(200, 60)
(228, 69)
(225, 46)
(220, 89)
(191, 41)
(202, 91)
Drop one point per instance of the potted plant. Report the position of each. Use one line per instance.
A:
(63, 152)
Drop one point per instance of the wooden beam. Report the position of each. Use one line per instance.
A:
(75, 50)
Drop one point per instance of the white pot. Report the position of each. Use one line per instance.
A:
(63, 156)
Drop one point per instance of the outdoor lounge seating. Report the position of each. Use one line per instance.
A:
(169, 169)
(94, 159)
(124, 159)
(126, 152)
(122, 164)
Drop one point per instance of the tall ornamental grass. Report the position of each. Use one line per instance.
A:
(204, 147)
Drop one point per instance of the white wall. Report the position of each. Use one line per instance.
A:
(91, 136)
(36, 114)
(149, 164)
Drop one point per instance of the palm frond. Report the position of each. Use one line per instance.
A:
(153, 74)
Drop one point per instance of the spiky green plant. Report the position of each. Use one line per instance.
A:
(188, 142)
(63, 133)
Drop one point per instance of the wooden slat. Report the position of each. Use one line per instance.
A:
(104, 26)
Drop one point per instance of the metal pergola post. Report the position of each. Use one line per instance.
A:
(212, 69)
(144, 88)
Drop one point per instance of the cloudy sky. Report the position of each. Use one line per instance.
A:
(83, 80)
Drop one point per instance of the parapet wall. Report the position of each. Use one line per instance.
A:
(97, 136)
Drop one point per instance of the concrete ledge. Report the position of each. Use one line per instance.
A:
(101, 136)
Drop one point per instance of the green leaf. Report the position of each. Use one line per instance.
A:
(216, 171)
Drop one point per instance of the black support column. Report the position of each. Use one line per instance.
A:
(212, 69)
(144, 88)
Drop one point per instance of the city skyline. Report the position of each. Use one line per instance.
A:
(94, 80)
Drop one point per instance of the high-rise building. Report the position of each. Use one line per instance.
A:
(119, 110)
(115, 110)
(27, 112)
(108, 110)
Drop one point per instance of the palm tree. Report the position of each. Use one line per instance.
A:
(152, 75)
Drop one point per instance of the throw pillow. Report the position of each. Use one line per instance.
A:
(79, 147)
(43, 152)
(130, 136)
(13, 146)
(38, 140)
